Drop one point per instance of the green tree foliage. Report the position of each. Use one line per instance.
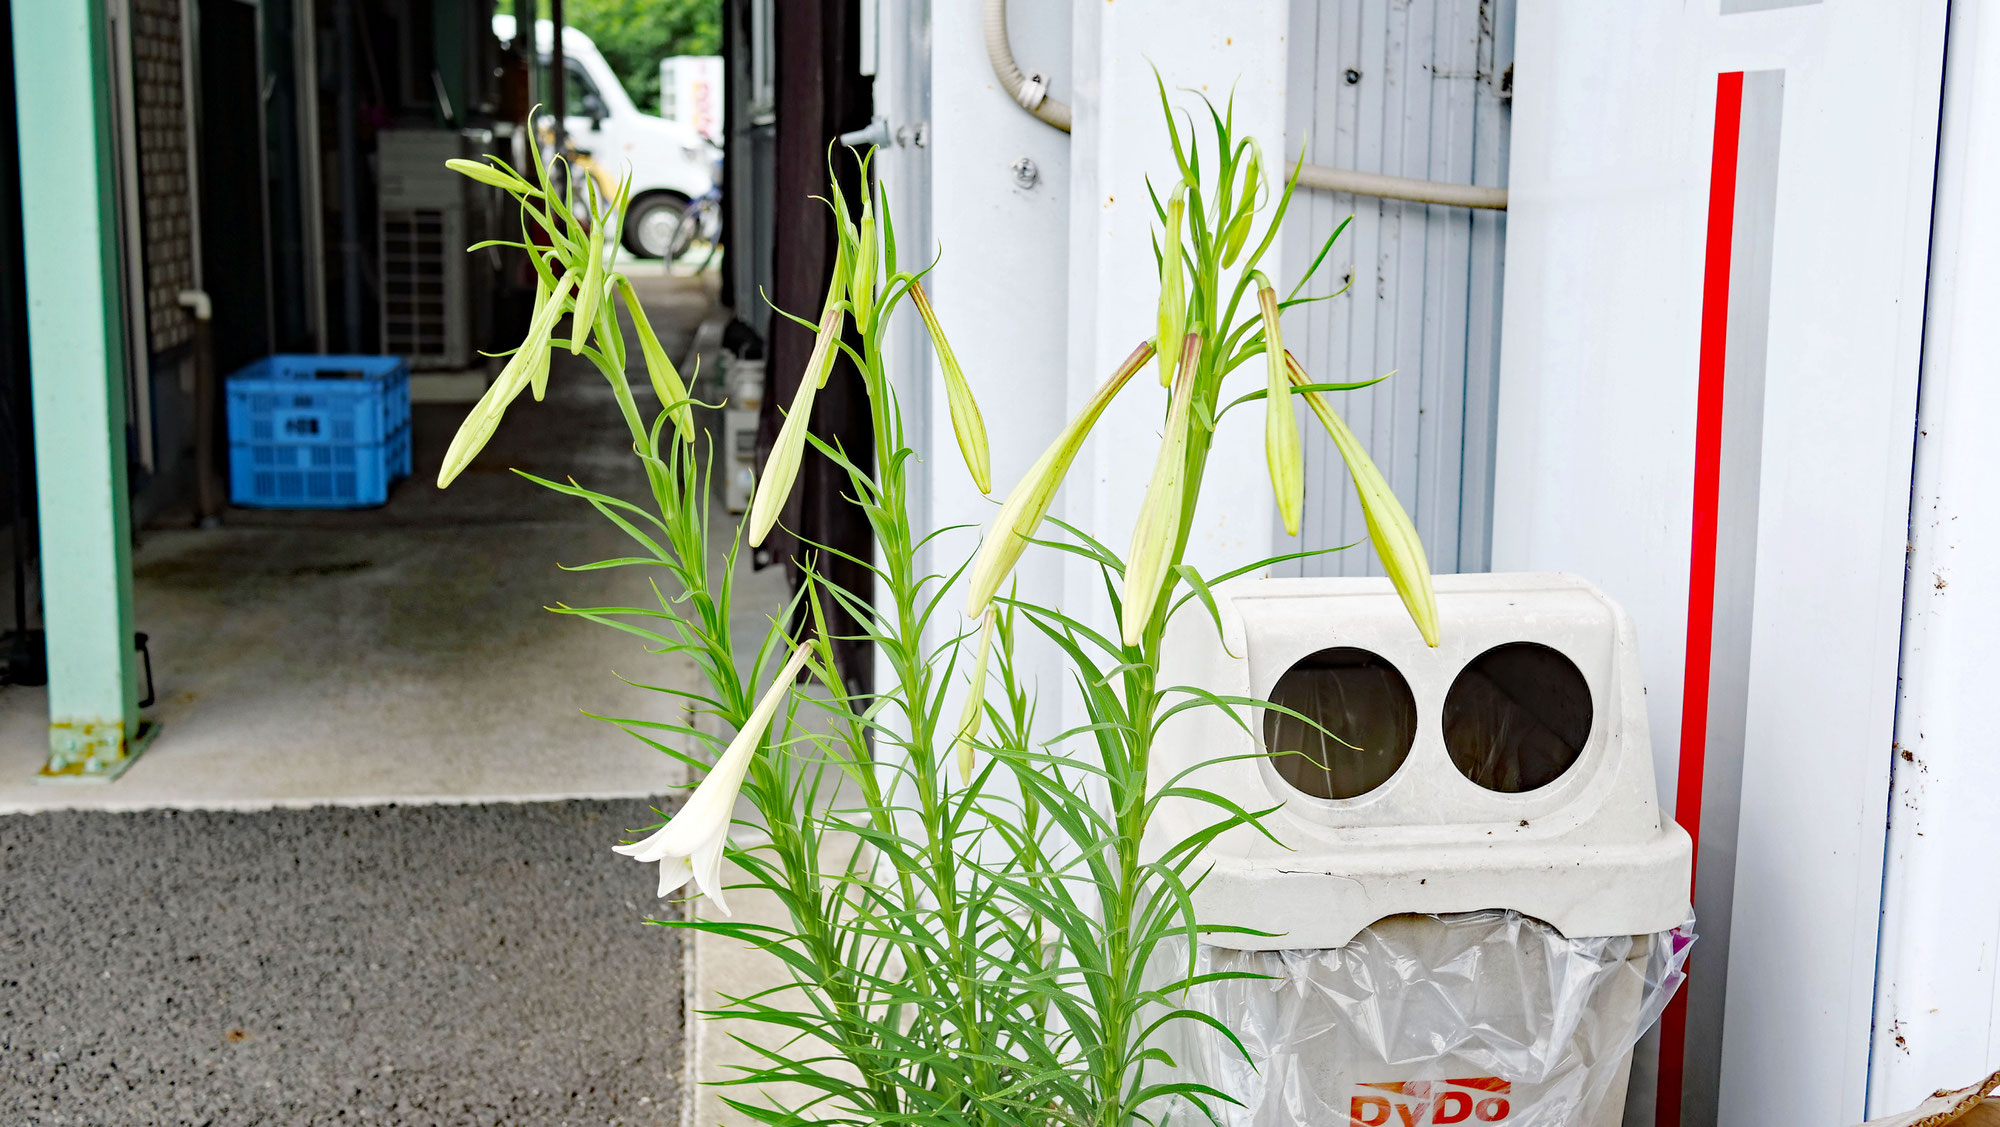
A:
(634, 35)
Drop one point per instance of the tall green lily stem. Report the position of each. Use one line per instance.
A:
(974, 908)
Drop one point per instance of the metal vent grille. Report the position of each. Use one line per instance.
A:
(422, 315)
(423, 231)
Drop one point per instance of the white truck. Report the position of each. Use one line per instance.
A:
(671, 163)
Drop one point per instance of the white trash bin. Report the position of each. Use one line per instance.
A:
(1477, 908)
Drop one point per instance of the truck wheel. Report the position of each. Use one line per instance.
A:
(649, 226)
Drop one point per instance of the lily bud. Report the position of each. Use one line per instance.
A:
(1025, 507)
(966, 423)
(1158, 528)
(1389, 527)
(1233, 237)
(836, 288)
(1173, 298)
(774, 485)
(782, 467)
(538, 375)
(974, 712)
(1239, 228)
(863, 284)
(484, 419)
(592, 289)
(1282, 449)
(494, 175)
(666, 379)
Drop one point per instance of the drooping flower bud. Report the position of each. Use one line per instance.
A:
(1282, 449)
(974, 712)
(782, 467)
(666, 378)
(1029, 502)
(966, 423)
(1158, 528)
(836, 289)
(1173, 295)
(538, 365)
(774, 485)
(495, 174)
(519, 372)
(591, 291)
(1389, 527)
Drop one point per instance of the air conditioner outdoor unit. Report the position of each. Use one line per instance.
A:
(422, 236)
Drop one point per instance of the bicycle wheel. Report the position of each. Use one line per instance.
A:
(690, 225)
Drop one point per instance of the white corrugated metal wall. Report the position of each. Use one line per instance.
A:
(1414, 88)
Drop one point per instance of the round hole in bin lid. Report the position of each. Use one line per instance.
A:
(1363, 701)
(1517, 717)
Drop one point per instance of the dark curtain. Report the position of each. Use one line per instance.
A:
(820, 95)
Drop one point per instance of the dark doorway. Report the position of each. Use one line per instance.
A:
(235, 267)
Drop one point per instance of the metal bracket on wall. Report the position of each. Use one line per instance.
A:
(875, 134)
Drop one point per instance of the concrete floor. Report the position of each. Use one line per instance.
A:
(403, 654)
(428, 966)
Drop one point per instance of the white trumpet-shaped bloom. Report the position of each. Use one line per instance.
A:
(689, 846)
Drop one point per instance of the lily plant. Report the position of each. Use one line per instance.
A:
(971, 931)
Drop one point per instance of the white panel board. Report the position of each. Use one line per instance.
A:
(1614, 117)
(1000, 284)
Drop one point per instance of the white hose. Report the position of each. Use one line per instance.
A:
(1032, 94)
(1402, 188)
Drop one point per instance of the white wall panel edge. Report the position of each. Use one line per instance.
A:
(1937, 1008)
(1845, 342)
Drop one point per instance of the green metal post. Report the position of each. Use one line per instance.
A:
(62, 87)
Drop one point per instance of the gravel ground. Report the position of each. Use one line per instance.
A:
(386, 965)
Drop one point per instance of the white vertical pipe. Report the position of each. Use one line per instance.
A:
(1937, 1013)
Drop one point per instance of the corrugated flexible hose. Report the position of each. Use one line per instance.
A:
(1032, 92)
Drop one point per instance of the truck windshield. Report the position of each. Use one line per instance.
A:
(576, 84)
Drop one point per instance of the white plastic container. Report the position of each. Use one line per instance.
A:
(1509, 768)
(744, 389)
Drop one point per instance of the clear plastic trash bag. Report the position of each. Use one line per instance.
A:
(1473, 1018)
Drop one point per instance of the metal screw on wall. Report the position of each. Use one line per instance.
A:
(1353, 76)
(1026, 173)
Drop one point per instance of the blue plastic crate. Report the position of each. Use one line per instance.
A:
(328, 476)
(318, 432)
(319, 399)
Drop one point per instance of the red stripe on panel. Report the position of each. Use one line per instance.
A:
(1701, 561)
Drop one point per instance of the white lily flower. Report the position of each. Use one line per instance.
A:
(690, 845)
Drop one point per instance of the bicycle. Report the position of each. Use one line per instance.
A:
(700, 221)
